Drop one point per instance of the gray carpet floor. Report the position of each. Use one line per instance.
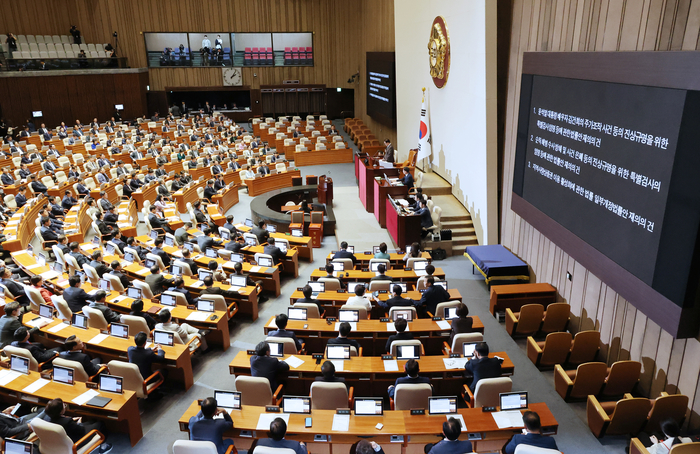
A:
(159, 419)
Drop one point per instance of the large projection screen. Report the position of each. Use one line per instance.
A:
(607, 167)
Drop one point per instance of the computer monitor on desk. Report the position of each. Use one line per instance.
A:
(513, 401)
(369, 406)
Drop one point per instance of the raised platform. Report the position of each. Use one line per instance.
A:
(268, 207)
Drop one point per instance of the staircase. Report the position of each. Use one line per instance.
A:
(463, 233)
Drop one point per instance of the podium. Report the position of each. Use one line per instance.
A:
(325, 190)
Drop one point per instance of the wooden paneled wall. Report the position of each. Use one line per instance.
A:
(70, 97)
(343, 31)
(601, 25)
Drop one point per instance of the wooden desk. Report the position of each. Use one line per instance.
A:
(303, 244)
(321, 157)
(515, 296)
(185, 195)
(366, 182)
(382, 189)
(267, 183)
(422, 429)
(120, 415)
(371, 334)
(365, 276)
(143, 194)
(403, 229)
(177, 356)
(367, 373)
(363, 258)
(226, 200)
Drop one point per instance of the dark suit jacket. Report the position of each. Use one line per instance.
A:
(397, 337)
(38, 351)
(8, 326)
(204, 242)
(209, 192)
(397, 301)
(158, 283)
(214, 290)
(74, 430)
(285, 333)
(433, 296)
(345, 255)
(76, 298)
(10, 427)
(446, 446)
(268, 367)
(275, 252)
(425, 220)
(262, 235)
(90, 367)
(345, 341)
(382, 277)
(122, 278)
(100, 267)
(407, 181)
(538, 440)
(461, 325)
(408, 381)
(47, 234)
(482, 368)
(209, 429)
(110, 315)
(144, 358)
(162, 254)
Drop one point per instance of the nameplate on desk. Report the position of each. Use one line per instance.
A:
(437, 319)
(342, 411)
(396, 439)
(251, 352)
(341, 290)
(364, 270)
(331, 319)
(408, 268)
(246, 433)
(384, 319)
(318, 437)
(550, 430)
(317, 355)
(387, 357)
(300, 289)
(192, 308)
(368, 252)
(488, 409)
(91, 385)
(417, 411)
(322, 268)
(475, 436)
(454, 355)
(272, 409)
(383, 291)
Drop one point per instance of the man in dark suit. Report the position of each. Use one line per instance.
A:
(203, 426)
(54, 412)
(157, 282)
(100, 304)
(426, 221)
(45, 133)
(99, 264)
(433, 295)
(111, 218)
(73, 351)
(481, 366)
(46, 233)
(186, 258)
(260, 231)
(9, 323)
(104, 201)
(278, 429)
(206, 241)
(211, 289)
(105, 230)
(40, 353)
(389, 151)
(6, 178)
(532, 435)
(13, 426)
(462, 323)
(274, 251)
(233, 165)
(49, 167)
(400, 335)
(20, 198)
(14, 287)
(263, 365)
(131, 243)
(281, 322)
(144, 357)
(179, 287)
(216, 169)
(158, 223)
(37, 185)
(75, 253)
(75, 296)
(328, 373)
(209, 190)
(397, 300)
(264, 169)
(229, 225)
(344, 254)
(68, 201)
(381, 269)
(407, 179)
(158, 250)
(451, 444)
(342, 339)
(412, 369)
(307, 291)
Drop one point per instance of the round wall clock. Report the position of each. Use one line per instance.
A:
(439, 52)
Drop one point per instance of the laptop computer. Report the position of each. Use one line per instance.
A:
(351, 249)
(297, 233)
(236, 257)
(129, 257)
(401, 313)
(204, 273)
(19, 364)
(225, 235)
(442, 284)
(249, 241)
(105, 285)
(149, 263)
(205, 305)
(189, 246)
(369, 406)
(111, 383)
(468, 349)
(168, 300)
(248, 223)
(337, 351)
(513, 401)
(13, 446)
(163, 338)
(135, 293)
(46, 311)
(276, 349)
(407, 352)
(282, 246)
(442, 405)
(349, 315)
(450, 313)
(238, 282)
(153, 234)
(375, 250)
(338, 266)
(176, 270)
(353, 285)
(316, 288)
(63, 375)
(296, 404)
(296, 313)
(119, 330)
(374, 266)
(79, 321)
(271, 228)
(109, 248)
(230, 400)
(264, 261)
(211, 253)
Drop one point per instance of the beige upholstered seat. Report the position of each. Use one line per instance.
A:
(393, 348)
(464, 338)
(256, 391)
(330, 395)
(441, 307)
(133, 380)
(487, 391)
(407, 396)
(96, 318)
(53, 439)
(135, 323)
(311, 309)
(289, 347)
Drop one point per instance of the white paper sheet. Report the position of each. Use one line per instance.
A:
(459, 418)
(272, 324)
(353, 325)
(97, 339)
(198, 316)
(119, 298)
(390, 327)
(84, 397)
(444, 324)
(391, 365)
(266, 418)
(57, 328)
(294, 362)
(421, 273)
(197, 284)
(255, 269)
(338, 363)
(143, 272)
(505, 419)
(39, 322)
(341, 423)
(48, 275)
(455, 363)
(35, 266)
(37, 385)
(6, 376)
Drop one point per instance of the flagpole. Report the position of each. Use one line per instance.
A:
(423, 159)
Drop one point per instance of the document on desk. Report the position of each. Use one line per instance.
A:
(341, 423)
(197, 284)
(39, 322)
(37, 385)
(272, 324)
(87, 395)
(255, 269)
(390, 327)
(353, 325)
(455, 363)
(266, 418)
(119, 298)
(444, 324)
(229, 264)
(143, 272)
(97, 339)
(391, 365)
(58, 327)
(7, 375)
(36, 265)
(48, 275)
(198, 316)
(338, 363)
(459, 418)
(506, 419)
(294, 362)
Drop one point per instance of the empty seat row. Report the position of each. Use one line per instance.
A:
(47, 55)
(44, 39)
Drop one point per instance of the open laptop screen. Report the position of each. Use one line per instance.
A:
(407, 352)
(442, 405)
(296, 404)
(513, 401)
(111, 383)
(63, 375)
(349, 315)
(338, 352)
(276, 349)
(368, 406)
(296, 313)
(228, 399)
(163, 337)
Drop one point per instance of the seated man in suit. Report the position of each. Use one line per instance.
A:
(412, 369)
(54, 412)
(342, 339)
(99, 264)
(206, 241)
(274, 251)
(158, 250)
(264, 365)
(37, 185)
(532, 435)
(156, 281)
(40, 353)
(131, 243)
(261, 232)
(426, 221)
(381, 269)
(407, 179)
(462, 323)
(10, 322)
(211, 289)
(185, 331)
(307, 291)
(145, 357)
(6, 178)
(181, 235)
(203, 426)
(397, 300)
(433, 295)
(101, 305)
(46, 233)
(451, 444)
(344, 254)
(105, 230)
(158, 223)
(137, 311)
(104, 201)
(73, 351)
(20, 197)
(75, 296)
(481, 366)
(68, 200)
(179, 287)
(209, 190)
(278, 428)
(328, 373)
(401, 334)
(281, 322)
